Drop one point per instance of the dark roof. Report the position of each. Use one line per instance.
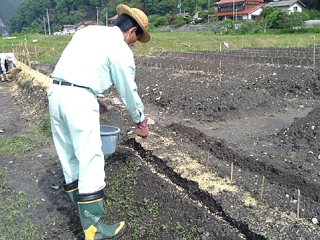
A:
(233, 1)
(285, 3)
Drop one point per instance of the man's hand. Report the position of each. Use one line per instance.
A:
(142, 128)
(103, 107)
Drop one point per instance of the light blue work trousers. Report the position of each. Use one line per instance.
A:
(75, 124)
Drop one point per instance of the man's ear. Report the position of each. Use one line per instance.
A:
(133, 29)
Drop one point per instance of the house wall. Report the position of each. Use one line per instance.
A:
(295, 8)
(290, 9)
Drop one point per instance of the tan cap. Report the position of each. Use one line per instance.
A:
(140, 17)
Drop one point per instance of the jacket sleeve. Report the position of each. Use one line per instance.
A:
(123, 75)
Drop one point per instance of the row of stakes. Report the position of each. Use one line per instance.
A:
(263, 186)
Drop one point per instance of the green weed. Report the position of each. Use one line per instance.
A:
(15, 222)
(26, 142)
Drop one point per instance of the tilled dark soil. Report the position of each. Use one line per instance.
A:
(234, 141)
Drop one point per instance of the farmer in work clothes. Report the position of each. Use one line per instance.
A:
(74, 109)
(6, 61)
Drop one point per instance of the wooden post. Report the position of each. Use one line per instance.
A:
(220, 72)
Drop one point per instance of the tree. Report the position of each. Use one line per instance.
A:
(313, 14)
(29, 14)
(161, 7)
(226, 25)
(194, 6)
(178, 21)
(265, 23)
(203, 15)
(312, 4)
(272, 14)
(293, 20)
(213, 14)
(250, 26)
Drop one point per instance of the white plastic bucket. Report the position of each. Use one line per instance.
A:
(109, 138)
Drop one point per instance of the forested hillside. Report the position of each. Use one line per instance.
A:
(31, 16)
(31, 13)
(7, 9)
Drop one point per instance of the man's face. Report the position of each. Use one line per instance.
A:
(131, 37)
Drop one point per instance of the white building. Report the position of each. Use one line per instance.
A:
(289, 6)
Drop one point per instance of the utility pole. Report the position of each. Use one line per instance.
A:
(106, 18)
(44, 26)
(48, 22)
(97, 15)
(233, 10)
(208, 9)
(179, 6)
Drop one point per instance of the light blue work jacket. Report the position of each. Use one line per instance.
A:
(97, 57)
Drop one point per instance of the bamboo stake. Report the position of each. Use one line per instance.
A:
(35, 50)
(232, 171)
(298, 205)
(314, 53)
(28, 53)
(263, 187)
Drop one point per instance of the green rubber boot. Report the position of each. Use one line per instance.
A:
(72, 190)
(91, 212)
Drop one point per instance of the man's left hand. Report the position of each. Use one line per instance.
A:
(103, 107)
(142, 128)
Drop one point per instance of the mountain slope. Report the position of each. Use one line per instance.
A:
(7, 9)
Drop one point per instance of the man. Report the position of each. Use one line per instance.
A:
(96, 58)
(6, 61)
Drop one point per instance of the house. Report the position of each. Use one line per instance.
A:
(183, 14)
(113, 19)
(68, 29)
(288, 5)
(90, 22)
(239, 9)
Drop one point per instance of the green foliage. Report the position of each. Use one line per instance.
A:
(315, 4)
(312, 14)
(33, 14)
(278, 18)
(250, 27)
(188, 19)
(194, 6)
(161, 7)
(45, 125)
(213, 14)
(226, 25)
(9, 10)
(272, 15)
(160, 20)
(293, 20)
(203, 15)
(265, 23)
(178, 22)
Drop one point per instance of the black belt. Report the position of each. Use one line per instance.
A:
(67, 84)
